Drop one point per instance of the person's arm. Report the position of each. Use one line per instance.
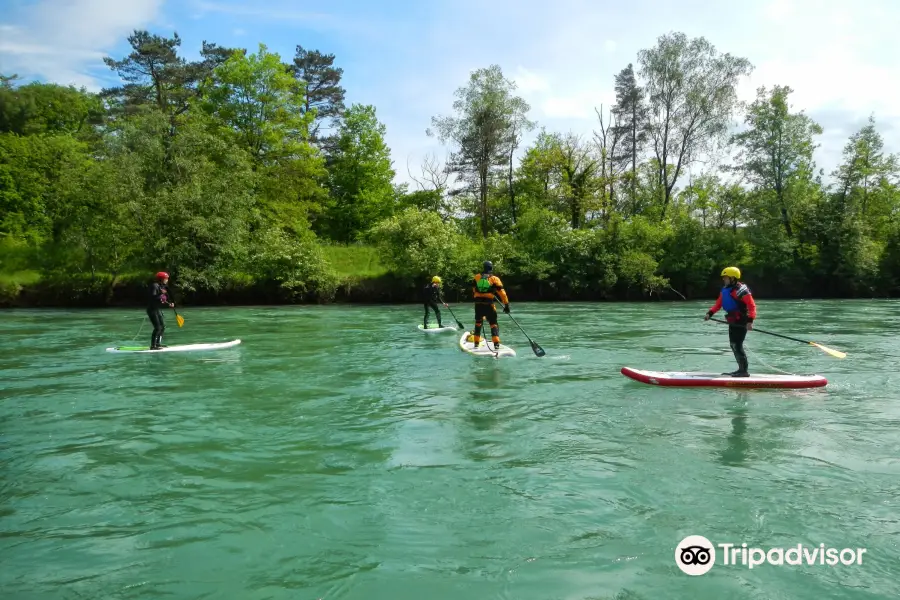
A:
(750, 303)
(715, 307)
(498, 285)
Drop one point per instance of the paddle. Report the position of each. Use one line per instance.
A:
(827, 350)
(458, 323)
(178, 318)
(538, 351)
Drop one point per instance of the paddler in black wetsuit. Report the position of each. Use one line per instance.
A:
(433, 296)
(159, 299)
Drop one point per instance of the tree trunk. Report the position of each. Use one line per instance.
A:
(512, 192)
(483, 192)
(634, 157)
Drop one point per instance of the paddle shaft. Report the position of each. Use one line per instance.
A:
(793, 339)
(534, 346)
(458, 322)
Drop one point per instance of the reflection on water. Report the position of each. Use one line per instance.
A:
(735, 452)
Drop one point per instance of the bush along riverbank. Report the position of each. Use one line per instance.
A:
(360, 275)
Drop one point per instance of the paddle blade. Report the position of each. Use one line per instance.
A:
(538, 351)
(179, 319)
(831, 351)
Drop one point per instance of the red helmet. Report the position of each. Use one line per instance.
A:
(162, 275)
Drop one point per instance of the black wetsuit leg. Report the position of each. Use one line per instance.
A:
(159, 326)
(736, 336)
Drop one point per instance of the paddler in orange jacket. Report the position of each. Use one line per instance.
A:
(740, 310)
(485, 285)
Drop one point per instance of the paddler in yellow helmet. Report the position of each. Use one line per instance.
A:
(433, 296)
(740, 310)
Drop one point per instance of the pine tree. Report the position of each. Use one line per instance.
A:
(323, 89)
(631, 117)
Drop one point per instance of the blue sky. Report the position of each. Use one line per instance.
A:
(407, 58)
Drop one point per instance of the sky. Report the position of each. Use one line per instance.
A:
(407, 58)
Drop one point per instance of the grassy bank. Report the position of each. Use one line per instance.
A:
(356, 269)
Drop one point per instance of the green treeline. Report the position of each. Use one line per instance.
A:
(245, 175)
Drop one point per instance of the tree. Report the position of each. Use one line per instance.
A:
(360, 175)
(38, 108)
(324, 94)
(485, 125)
(197, 224)
(156, 76)
(631, 117)
(563, 170)
(608, 141)
(692, 94)
(777, 149)
(864, 171)
(261, 104)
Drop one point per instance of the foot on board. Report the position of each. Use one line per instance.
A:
(738, 374)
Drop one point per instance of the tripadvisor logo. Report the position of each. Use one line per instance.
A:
(696, 555)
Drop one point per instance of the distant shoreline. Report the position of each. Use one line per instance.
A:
(379, 291)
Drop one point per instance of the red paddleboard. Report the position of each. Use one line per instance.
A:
(681, 379)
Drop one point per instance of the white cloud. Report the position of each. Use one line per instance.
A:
(529, 82)
(779, 10)
(62, 40)
(841, 64)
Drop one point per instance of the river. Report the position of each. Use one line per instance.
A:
(339, 453)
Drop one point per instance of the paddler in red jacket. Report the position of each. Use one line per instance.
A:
(740, 310)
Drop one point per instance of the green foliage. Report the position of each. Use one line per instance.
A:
(419, 244)
(297, 264)
(239, 172)
(360, 175)
(354, 261)
(488, 121)
(258, 101)
(40, 108)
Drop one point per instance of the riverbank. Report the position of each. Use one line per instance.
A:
(102, 292)
(357, 275)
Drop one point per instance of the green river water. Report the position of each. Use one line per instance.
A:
(340, 453)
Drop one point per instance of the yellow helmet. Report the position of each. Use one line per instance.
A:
(435, 279)
(731, 272)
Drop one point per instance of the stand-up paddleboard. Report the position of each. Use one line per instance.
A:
(680, 379)
(443, 329)
(181, 348)
(485, 348)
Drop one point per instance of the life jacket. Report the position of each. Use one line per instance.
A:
(159, 296)
(484, 288)
(730, 295)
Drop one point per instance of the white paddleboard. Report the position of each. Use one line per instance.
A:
(443, 329)
(485, 348)
(180, 348)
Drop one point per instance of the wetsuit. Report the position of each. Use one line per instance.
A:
(159, 299)
(484, 286)
(432, 295)
(740, 309)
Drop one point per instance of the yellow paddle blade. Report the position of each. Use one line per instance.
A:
(180, 320)
(834, 353)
